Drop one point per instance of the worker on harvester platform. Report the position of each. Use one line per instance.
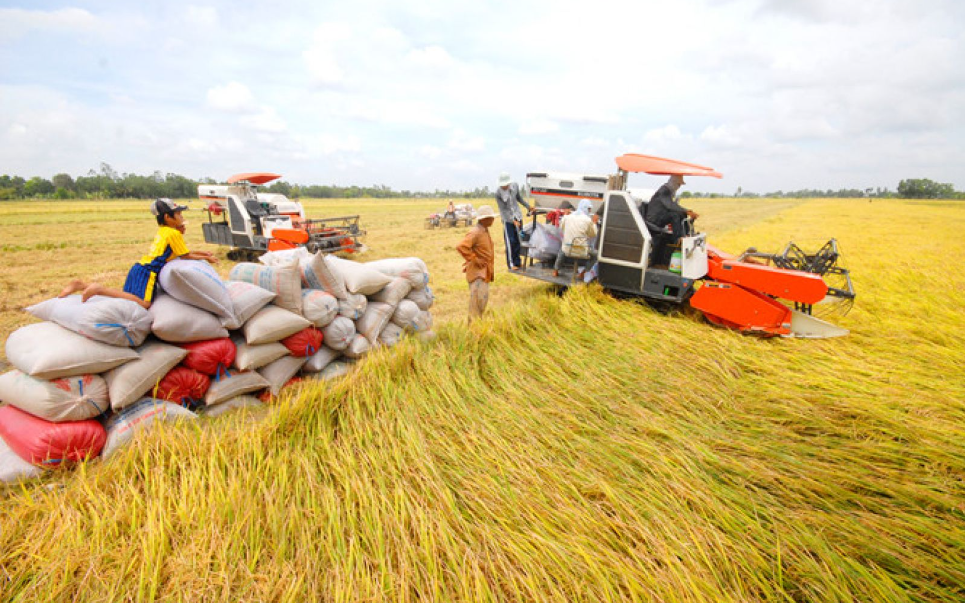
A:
(168, 244)
(662, 211)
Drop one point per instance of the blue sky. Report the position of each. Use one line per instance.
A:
(425, 94)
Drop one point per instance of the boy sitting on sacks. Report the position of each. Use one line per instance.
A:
(141, 280)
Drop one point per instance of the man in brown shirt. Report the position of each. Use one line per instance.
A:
(477, 249)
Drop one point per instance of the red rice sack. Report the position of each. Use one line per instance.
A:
(212, 357)
(284, 281)
(413, 269)
(119, 322)
(339, 333)
(137, 418)
(246, 299)
(182, 385)
(318, 274)
(197, 283)
(66, 399)
(320, 307)
(394, 292)
(49, 351)
(13, 468)
(250, 357)
(179, 322)
(320, 359)
(304, 343)
(353, 306)
(129, 382)
(48, 444)
(358, 277)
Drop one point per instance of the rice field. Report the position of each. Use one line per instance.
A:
(566, 448)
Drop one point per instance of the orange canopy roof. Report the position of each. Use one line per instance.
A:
(254, 177)
(632, 162)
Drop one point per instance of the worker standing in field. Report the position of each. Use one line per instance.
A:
(477, 249)
(507, 199)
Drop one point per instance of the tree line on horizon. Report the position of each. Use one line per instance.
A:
(106, 183)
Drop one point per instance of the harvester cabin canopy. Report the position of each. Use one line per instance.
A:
(258, 178)
(633, 162)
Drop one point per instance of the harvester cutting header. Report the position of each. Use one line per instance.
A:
(252, 223)
(761, 293)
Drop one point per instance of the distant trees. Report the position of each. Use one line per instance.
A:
(923, 188)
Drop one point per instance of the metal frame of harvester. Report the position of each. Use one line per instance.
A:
(758, 293)
(252, 223)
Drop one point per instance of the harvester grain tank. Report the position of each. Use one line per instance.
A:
(759, 293)
(252, 222)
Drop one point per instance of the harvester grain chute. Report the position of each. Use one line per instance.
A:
(759, 293)
(251, 222)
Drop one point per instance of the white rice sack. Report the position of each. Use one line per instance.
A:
(353, 306)
(246, 299)
(284, 281)
(271, 324)
(49, 351)
(195, 282)
(422, 298)
(358, 347)
(391, 334)
(317, 273)
(13, 468)
(394, 292)
(413, 270)
(320, 307)
(120, 322)
(280, 371)
(249, 357)
(320, 359)
(67, 399)
(178, 322)
(284, 257)
(336, 369)
(376, 316)
(406, 314)
(339, 333)
(427, 335)
(129, 383)
(358, 277)
(227, 388)
(423, 322)
(136, 418)
(237, 403)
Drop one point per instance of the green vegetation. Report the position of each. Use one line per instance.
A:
(572, 447)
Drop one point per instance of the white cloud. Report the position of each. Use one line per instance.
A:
(430, 152)
(204, 16)
(320, 57)
(461, 141)
(266, 120)
(329, 144)
(431, 57)
(17, 22)
(539, 126)
(664, 135)
(233, 97)
(720, 136)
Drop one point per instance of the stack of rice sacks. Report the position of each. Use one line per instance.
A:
(94, 374)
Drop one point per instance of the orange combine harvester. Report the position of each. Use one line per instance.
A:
(251, 222)
(760, 293)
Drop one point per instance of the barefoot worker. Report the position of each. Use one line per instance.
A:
(477, 249)
(141, 280)
(507, 199)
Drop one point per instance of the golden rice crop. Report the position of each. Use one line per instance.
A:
(572, 447)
